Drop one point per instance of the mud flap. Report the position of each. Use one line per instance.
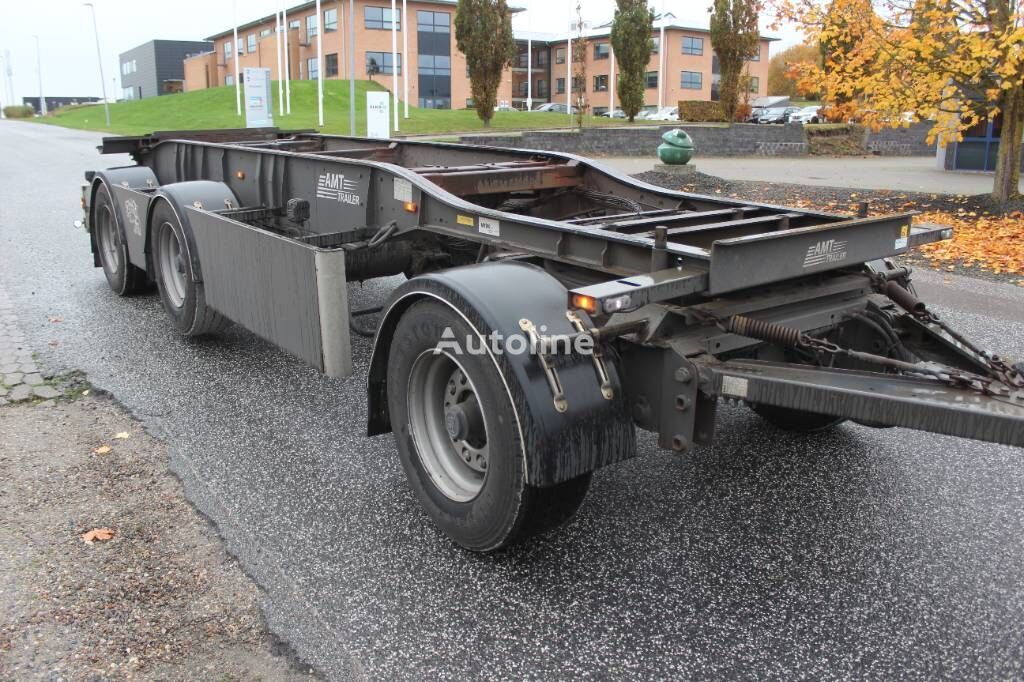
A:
(883, 399)
(289, 293)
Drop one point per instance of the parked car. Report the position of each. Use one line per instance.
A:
(665, 114)
(555, 108)
(777, 115)
(755, 114)
(806, 115)
(614, 113)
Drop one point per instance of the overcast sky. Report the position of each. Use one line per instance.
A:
(69, 64)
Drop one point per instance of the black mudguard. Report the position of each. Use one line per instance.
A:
(204, 194)
(493, 297)
(136, 179)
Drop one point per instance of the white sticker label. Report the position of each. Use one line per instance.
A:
(734, 386)
(491, 227)
(403, 190)
(901, 243)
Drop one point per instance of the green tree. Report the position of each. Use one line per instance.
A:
(580, 48)
(483, 32)
(632, 43)
(735, 38)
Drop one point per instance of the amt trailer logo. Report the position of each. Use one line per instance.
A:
(824, 252)
(335, 187)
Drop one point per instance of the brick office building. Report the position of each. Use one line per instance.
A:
(438, 76)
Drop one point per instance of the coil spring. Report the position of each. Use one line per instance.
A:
(764, 331)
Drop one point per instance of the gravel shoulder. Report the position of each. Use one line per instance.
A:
(161, 599)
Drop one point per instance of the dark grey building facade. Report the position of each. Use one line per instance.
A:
(157, 68)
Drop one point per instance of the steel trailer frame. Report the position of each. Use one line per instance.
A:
(657, 277)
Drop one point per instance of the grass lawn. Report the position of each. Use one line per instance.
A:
(215, 108)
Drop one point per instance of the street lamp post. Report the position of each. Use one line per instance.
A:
(39, 71)
(99, 57)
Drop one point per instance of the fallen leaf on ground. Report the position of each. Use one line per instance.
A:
(101, 450)
(122, 435)
(101, 534)
(85, 392)
(53, 343)
(55, 320)
(993, 243)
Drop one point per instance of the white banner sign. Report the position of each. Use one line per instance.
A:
(258, 113)
(378, 114)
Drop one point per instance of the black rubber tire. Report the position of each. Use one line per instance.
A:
(123, 278)
(507, 510)
(192, 317)
(798, 421)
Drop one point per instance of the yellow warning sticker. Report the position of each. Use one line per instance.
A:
(466, 220)
(905, 231)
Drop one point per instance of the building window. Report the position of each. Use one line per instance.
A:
(227, 50)
(294, 23)
(651, 79)
(656, 45)
(434, 65)
(560, 86)
(755, 84)
(380, 18)
(312, 68)
(542, 57)
(542, 88)
(691, 80)
(331, 64)
(601, 83)
(135, 67)
(756, 57)
(380, 62)
(524, 88)
(433, 22)
(229, 79)
(601, 50)
(252, 42)
(312, 27)
(693, 46)
(559, 55)
(469, 103)
(330, 20)
(265, 32)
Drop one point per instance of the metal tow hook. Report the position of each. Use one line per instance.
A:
(596, 355)
(554, 383)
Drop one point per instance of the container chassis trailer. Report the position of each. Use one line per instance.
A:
(551, 306)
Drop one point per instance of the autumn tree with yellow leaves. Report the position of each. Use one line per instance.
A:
(955, 62)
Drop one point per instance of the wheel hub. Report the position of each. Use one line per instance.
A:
(448, 426)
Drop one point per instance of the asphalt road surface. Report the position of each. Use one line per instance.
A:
(860, 553)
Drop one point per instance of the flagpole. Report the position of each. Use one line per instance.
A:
(287, 62)
(352, 68)
(394, 60)
(280, 66)
(319, 66)
(238, 86)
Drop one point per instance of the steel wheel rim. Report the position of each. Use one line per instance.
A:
(172, 265)
(107, 239)
(447, 425)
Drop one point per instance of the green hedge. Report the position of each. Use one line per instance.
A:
(19, 111)
(699, 111)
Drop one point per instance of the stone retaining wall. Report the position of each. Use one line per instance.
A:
(741, 139)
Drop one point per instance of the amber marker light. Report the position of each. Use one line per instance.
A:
(587, 303)
(410, 206)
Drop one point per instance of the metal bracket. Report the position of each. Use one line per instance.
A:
(554, 383)
(598, 357)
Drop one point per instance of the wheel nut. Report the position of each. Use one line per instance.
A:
(682, 402)
(680, 444)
